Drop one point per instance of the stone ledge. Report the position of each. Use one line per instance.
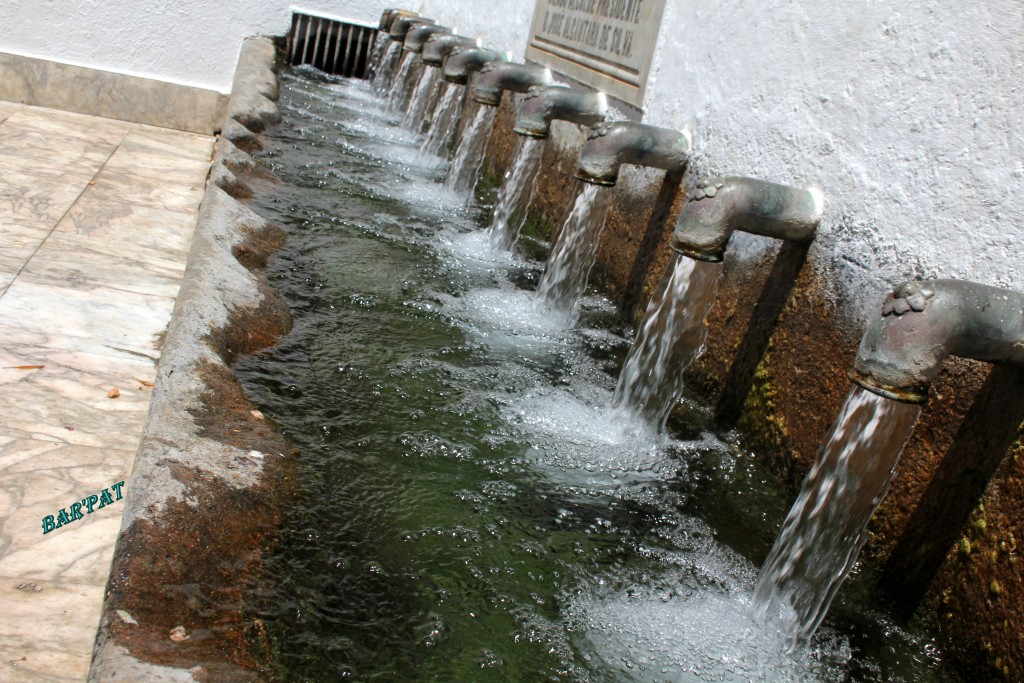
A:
(209, 475)
(45, 83)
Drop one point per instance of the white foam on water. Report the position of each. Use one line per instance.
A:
(474, 248)
(672, 630)
(506, 310)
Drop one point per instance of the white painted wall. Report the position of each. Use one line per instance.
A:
(909, 116)
(501, 25)
(191, 42)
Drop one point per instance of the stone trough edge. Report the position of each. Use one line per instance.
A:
(214, 287)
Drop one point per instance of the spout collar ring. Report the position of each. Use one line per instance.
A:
(917, 395)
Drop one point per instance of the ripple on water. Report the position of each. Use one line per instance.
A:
(470, 508)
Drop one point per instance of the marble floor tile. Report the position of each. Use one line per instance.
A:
(96, 221)
(6, 278)
(64, 125)
(146, 191)
(48, 150)
(141, 231)
(6, 109)
(34, 168)
(144, 266)
(97, 320)
(48, 629)
(161, 140)
(20, 239)
(66, 399)
(167, 168)
(42, 479)
(30, 198)
(11, 265)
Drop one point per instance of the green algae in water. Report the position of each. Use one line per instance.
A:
(468, 511)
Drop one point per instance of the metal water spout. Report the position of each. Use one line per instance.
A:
(419, 35)
(613, 143)
(401, 25)
(544, 104)
(719, 207)
(463, 61)
(923, 322)
(497, 77)
(389, 15)
(440, 45)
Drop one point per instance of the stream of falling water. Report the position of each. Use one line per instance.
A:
(827, 525)
(397, 95)
(386, 71)
(465, 505)
(416, 115)
(469, 155)
(380, 45)
(515, 195)
(568, 267)
(671, 336)
(438, 141)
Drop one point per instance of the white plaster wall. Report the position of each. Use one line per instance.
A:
(908, 116)
(191, 42)
(501, 25)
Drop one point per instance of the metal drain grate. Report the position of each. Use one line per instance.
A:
(331, 44)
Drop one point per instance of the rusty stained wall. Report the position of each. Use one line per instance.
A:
(775, 366)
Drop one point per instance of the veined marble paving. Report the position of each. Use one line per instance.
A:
(96, 219)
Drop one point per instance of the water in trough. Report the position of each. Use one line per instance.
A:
(468, 508)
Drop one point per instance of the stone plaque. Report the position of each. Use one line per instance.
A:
(606, 44)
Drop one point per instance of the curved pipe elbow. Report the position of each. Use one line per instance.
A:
(497, 77)
(401, 25)
(389, 15)
(438, 46)
(462, 62)
(719, 207)
(544, 104)
(416, 37)
(611, 144)
(923, 322)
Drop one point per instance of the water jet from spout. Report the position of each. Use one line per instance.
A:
(670, 338)
(439, 138)
(469, 155)
(827, 525)
(516, 194)
(568, 266)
